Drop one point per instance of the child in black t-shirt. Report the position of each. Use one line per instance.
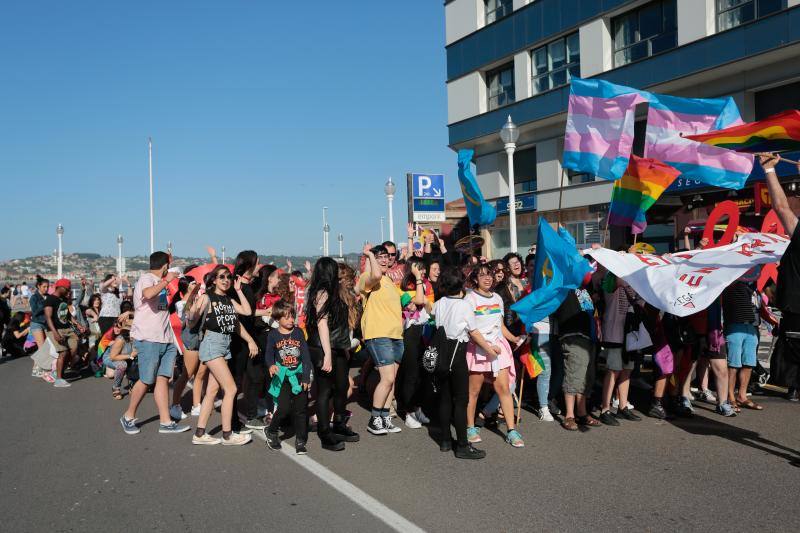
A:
(289, 364)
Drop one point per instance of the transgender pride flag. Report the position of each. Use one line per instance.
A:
(599, 134)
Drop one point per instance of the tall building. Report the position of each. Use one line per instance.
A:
(516, 57)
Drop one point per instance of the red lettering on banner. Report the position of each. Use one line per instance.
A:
(692, 281)
(648, 260)
(771, 224)
(730, 209)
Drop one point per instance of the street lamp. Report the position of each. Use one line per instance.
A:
(150, 167)
(60, 233)
(119, 255)
(382, 236)
(169, 248)
(509, 134)
(326, 229)
(223, 255)
(340, 238)
(390, 189)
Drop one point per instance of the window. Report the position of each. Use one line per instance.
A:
(585, 233)
(556, 64)
(732, 13)
(644, 32)
(575, 178)
(501, 86)
(497, 9)
(525, 170)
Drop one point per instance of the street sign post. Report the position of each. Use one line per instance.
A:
(427, 197)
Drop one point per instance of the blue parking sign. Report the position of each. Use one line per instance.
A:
(427, 185)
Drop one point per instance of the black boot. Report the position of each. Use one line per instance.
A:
(469, 452)
(341, 432)
(329, 442)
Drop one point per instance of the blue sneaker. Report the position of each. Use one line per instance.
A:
(725, 409)
(515, 439)
(473, 435)
(129, 426)
(172, 427)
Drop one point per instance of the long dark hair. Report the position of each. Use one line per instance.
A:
(325, 278)
(409, 282)
(262, 280)
(211, 276)
(183, 286)
(245, 260)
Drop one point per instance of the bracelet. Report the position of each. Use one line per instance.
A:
(769, 170)
(419, 282)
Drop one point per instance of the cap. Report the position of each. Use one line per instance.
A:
(63, 282)
(405, 299)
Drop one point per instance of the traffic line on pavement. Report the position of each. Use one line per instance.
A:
(350, 491)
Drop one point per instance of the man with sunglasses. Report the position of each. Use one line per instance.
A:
(153, 340)
(395, 270)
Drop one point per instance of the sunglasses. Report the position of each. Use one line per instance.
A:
(224, 276)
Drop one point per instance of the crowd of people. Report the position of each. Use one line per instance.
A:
(434, 329)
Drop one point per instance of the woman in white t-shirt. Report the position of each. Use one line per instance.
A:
(496, 364)
(455, 316)
(111, 300)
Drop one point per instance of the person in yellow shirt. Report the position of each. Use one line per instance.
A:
(382, 328)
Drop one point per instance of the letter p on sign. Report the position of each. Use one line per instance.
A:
(424, 185)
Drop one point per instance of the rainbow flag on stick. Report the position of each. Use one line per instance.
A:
(638, 190)
(532, 362)
(778, 133)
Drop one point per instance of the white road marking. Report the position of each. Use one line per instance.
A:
(350, 491)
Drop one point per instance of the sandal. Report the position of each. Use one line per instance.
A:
(736, 407)
(750, 404)
(117, 394)
(588, 421)
(569, 424)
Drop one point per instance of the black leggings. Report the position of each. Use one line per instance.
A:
(453, 396)
(408, 378)
(331, 385)
(250, 374)
(295, 405)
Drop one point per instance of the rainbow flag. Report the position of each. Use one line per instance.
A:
(778, 133)
(532, 361)
(637, 191)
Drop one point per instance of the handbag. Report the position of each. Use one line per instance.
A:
(637, 338)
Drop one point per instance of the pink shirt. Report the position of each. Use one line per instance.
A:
(150, 317)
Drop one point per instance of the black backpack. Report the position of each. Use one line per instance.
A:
(439, 355)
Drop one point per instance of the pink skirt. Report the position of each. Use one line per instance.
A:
(477, 361)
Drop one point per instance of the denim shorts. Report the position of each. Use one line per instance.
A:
(155, 359)
(215, 345)
(35, 326)
(742, 340)
(191, 340)
(385, 351)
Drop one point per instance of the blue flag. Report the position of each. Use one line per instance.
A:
(480, 212)
(558, 269)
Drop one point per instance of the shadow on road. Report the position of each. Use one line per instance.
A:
(701, 425)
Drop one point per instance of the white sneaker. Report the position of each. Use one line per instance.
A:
(419, 415)
(36, 372)
(388, 426)
(196, 410)
(630, 406)
(237, 439)
(614, 403)
(176, 413)
(412, 422)
(544, 415)
(206, 440)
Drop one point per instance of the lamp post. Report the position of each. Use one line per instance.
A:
(509, 134)
(60, 260)
(150, 167)
(119, 255)
(326, 229)
(390, 189)
(223, 255)
(383, 238)
(340, 238)
(169, 248)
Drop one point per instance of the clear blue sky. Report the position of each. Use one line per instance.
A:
(261, 112)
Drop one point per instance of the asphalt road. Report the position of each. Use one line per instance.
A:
(66, 465)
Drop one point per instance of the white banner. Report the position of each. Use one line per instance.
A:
(687, 282)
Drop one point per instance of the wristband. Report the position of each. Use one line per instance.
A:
(419, 282)
(769, 171)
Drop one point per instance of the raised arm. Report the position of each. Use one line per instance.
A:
(779, 201)
(242, 307)
(372, 269)
(153, 291)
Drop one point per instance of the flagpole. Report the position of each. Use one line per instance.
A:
(560, 194)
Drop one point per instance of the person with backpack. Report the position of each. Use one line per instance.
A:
(455, 320)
